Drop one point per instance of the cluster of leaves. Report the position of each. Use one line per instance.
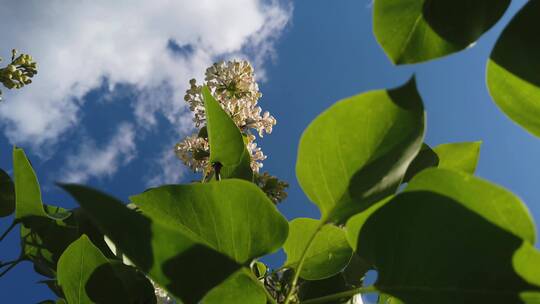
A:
(433, 231)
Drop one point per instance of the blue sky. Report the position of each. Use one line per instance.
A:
(123, 122)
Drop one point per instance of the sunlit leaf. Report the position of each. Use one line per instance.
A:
(187, 268)
(461, 156)
(239, 288)
(227, 145)
(328, 254)
(412, 31)
(86, 276)
(357, 151)
(450, 238)
(232, 216)
(27, 190)
(493, 202)
(512, 70)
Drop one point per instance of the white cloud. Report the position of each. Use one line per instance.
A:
(79, 43)
(170, 169)
(92, 161)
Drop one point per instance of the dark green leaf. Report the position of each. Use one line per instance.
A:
(426, 158)
(351, 277)
(43, 240)
(412, 31)
(512, 71)
(183, 266)
(239, 288)
(328, 254)
(450, 238)
(355, 224)
(320, 288)
(498, 205)
(86, 276)
(356, 152)
(232, 216)
(226, 142)
(7, 195)
(459, 156)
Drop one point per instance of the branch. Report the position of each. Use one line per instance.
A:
(11, 265)
(8, 230)
(301, 262)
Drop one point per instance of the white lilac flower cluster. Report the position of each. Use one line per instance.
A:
(233, 85)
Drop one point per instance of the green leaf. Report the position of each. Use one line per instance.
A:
(461, 156)
(512, 70)
(47, 230)
(350, 278)
(226, 142)
(320, 288)
(412, 31)
(355, 223)
(232, 216)
(240, 288)
(258, 269)
(426, 158)
(7, 195)
(75, 267)
(498, 205)
(43, 241)
(29, 204)
(27, 191)
(450, 238)
(328, 254)
(181, 265)
(386, 299)
(357, 151)
(86, 276)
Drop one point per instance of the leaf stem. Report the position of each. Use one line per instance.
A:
(269, 297)
(11, 265)
(8, 230)
(339, 295)
(301, 262)
(8, 263)
(204, 175)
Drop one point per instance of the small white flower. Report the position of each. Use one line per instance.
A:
(233, 85)
(192, 152)
(255, 154)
